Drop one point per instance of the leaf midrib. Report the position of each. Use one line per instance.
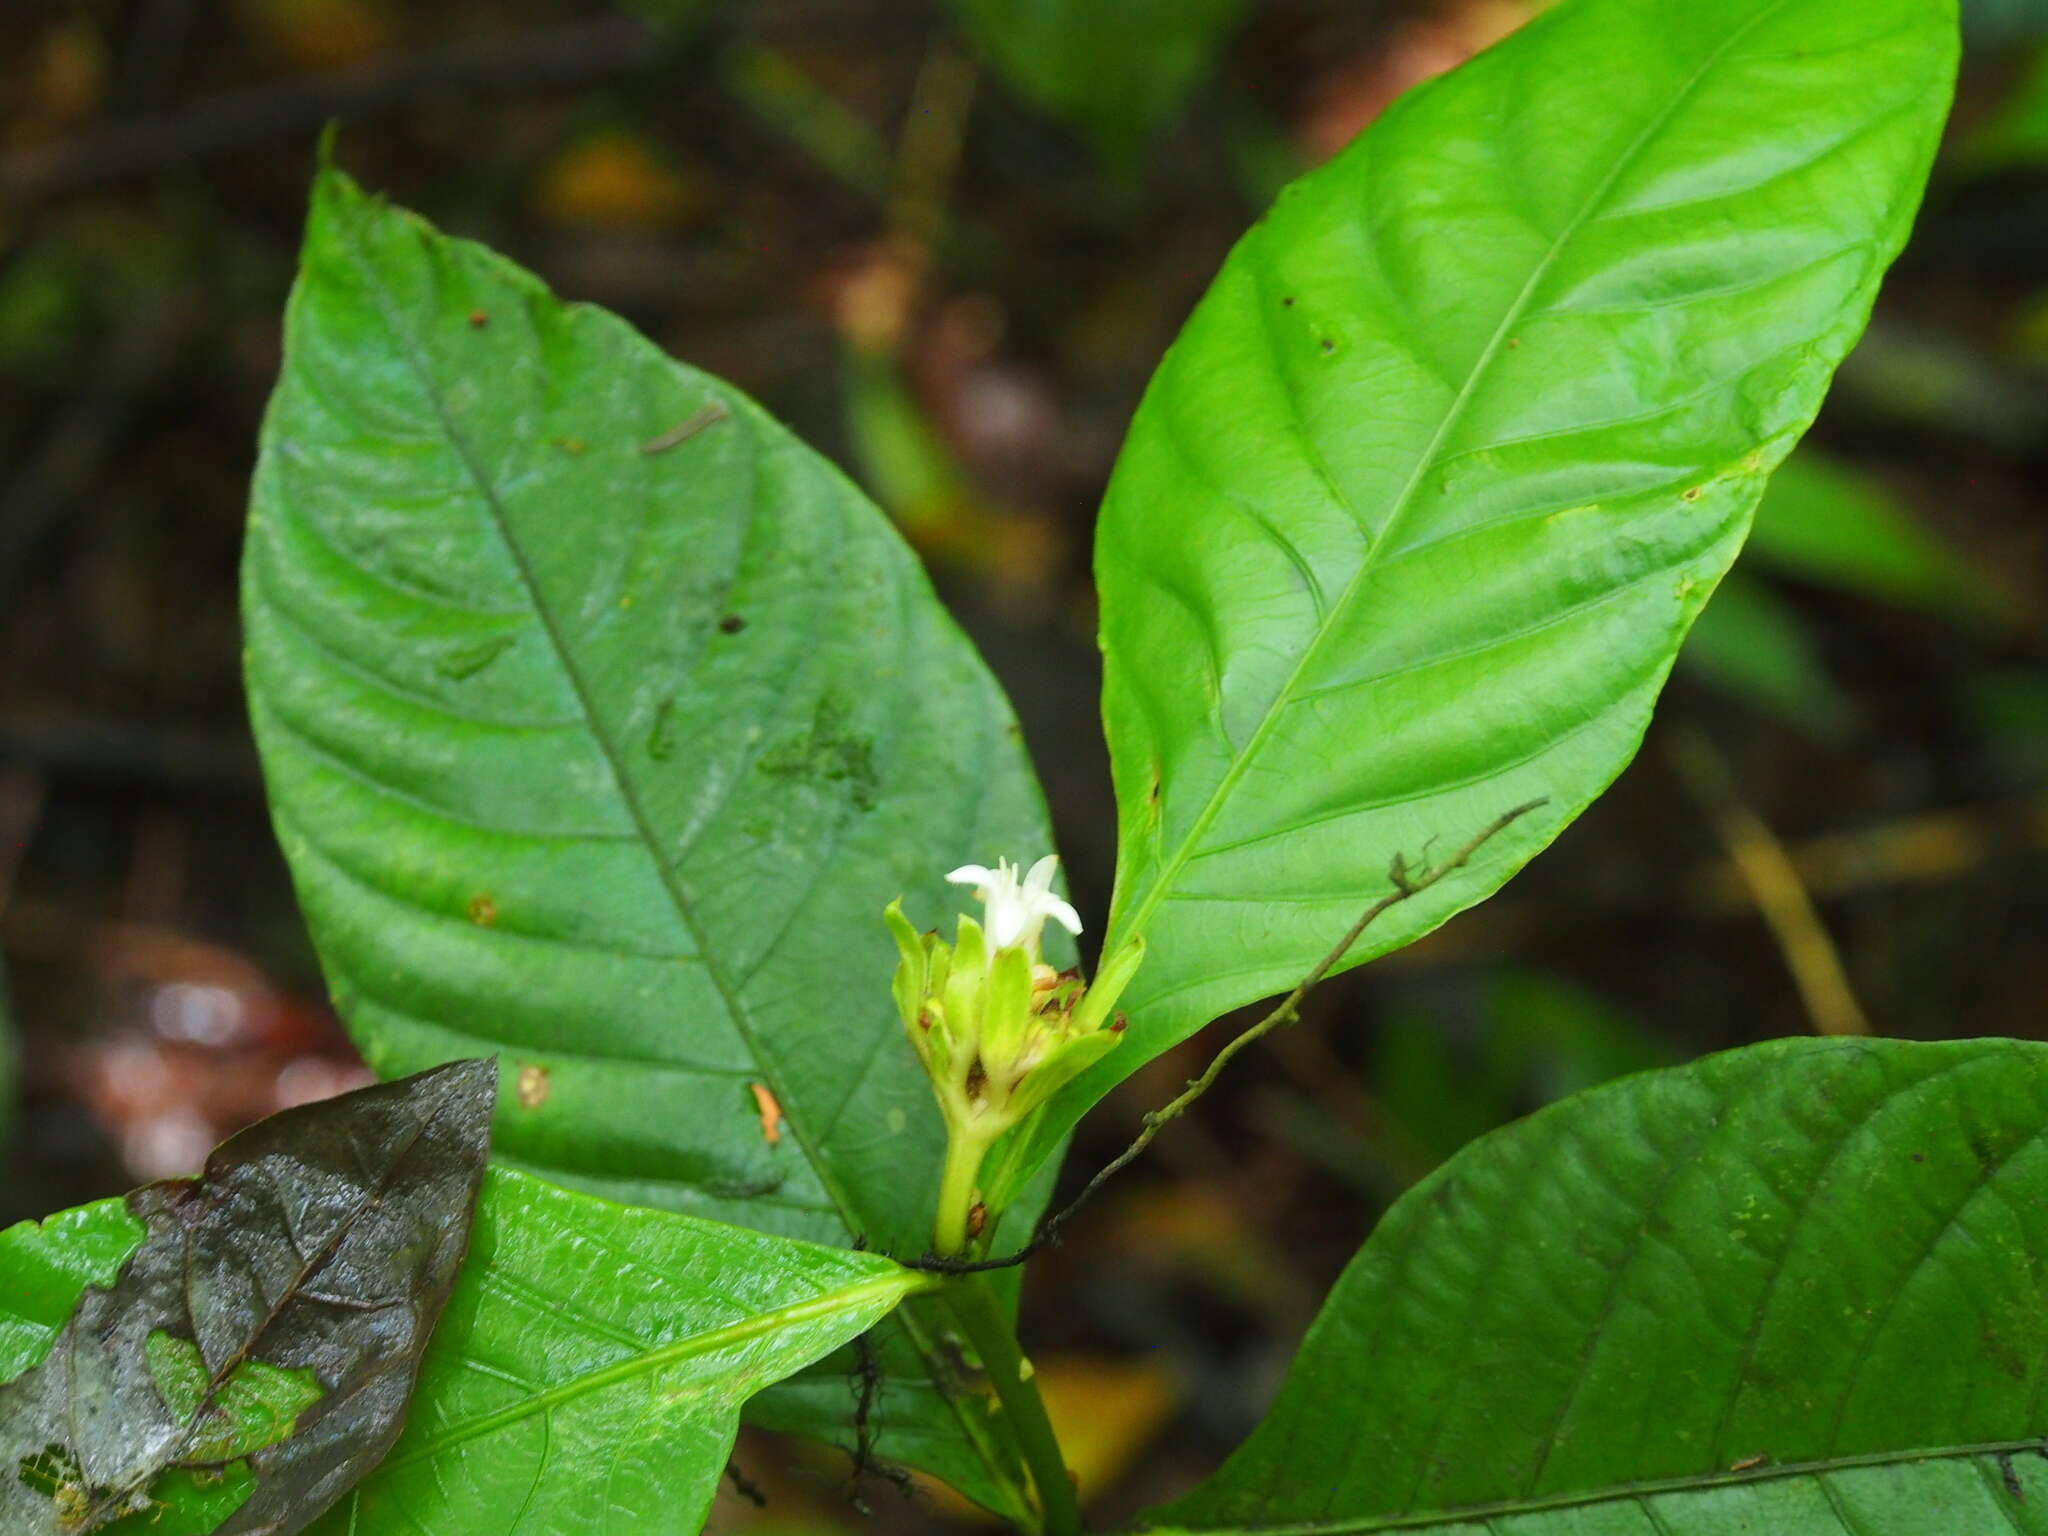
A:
(1468, 1514)
(1404, 501)
(895, 1286)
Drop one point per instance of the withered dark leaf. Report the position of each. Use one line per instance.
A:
(264, 1339)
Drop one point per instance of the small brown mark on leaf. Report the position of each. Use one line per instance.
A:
(2009, 1477)
(1288, 301)
(1692, 493)
(571, 445)
(731, 624)
(532, 1087)
(770, 1111)
(478, 319)
(1748, 1463)
(1514, 342)
(977, 1219)
(687, 428)
(1329, 346)
(482, 910)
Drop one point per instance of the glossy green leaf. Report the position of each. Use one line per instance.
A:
(254, 1354)
(1797, 1288)
(1750, 642)
(1415, 513)
(1115, 72)
(588, 1376)
(601, 719)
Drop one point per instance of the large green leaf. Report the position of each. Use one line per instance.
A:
(1801, 1287)
(1115, 72)
(1415, 513)
(589, 1373)
(254, 1355)
(601, 719)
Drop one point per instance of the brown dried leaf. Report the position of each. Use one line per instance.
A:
(256, 1356)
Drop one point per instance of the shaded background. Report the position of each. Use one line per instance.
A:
(950, 262)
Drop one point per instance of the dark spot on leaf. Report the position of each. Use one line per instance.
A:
(482, 910)
(1288, 301)
(830, 753)
(661, 736)
(466, 661)
(571, 445)
(1690, 494)
(731, 624)
(1329, 346)
(1513, 342)
(478, 319)
(1919, 1157)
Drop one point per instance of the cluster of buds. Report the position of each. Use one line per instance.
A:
(998, 1029)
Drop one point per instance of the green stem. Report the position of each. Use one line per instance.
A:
(964, 1154)
(981, 1318)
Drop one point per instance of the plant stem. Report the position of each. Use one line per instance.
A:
(964, 1154)
(981, 1318)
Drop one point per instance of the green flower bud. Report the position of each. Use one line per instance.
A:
(998, 1030)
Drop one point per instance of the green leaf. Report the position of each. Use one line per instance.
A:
(589, 1372)
(1797, 1288)
(601, 719)
(1750, 642)
(1823, 522)
(254, 1355)
(1115, 72)
(45, 1267)
(1416, 512)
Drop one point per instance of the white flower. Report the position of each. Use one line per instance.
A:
(1017, 909)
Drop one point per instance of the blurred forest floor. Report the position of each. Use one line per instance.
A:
(1840, 819)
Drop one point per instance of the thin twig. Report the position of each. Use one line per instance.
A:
(1774, 885)
(1406, 883)
(745, 1486)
